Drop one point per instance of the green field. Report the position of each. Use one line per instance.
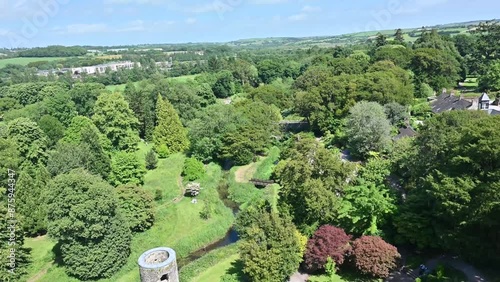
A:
(217, 271)
(121, 87)
(212, 265)
(25, 61)
(177, 225)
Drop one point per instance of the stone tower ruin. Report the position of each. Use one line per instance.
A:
(157, 265)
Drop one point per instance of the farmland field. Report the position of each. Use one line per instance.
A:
(24, 61)
(121, 87)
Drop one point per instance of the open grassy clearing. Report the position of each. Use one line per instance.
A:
(177, 225)
(121, 87)
(243, 192)
(211, 265)
(217, 271)
(24, 61)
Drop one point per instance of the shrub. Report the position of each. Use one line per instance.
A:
(162, 151)
(229, 278)
(193, 169)
(136, 204)
(327, 241)
(151, 160)
(206, 212)
(373, 256)
(158, 195)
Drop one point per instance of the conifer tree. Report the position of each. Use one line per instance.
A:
(169, 130)
(151, 160)
(30, 198)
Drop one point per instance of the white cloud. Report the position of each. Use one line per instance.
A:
(191, 20)
(311, 9)
(297, 17)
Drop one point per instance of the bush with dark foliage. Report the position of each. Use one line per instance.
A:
(373, 256)
(327, 241)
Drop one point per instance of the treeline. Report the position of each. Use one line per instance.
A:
(54, 51)
(74, 144)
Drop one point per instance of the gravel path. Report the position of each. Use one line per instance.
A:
(473, 274)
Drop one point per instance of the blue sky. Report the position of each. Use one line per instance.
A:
(28, 23)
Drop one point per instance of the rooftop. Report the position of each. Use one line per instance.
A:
(446, 102)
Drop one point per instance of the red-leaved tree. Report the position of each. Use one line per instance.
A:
(327, 241)
(373, 256)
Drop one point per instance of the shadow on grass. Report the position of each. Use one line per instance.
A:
(56, 250)
(237, 269)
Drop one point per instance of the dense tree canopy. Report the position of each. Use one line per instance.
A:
(84, 216)
(452, 206)
(116, 121)
(136, 205)
(31, 196)
(269, 249)
(312, 179)
(368, 129)
(30, 139)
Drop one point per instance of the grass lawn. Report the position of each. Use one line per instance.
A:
(177, 225)
(217, 271)
(212, 265)
(24, 61)
(243, 192)
(121, 87)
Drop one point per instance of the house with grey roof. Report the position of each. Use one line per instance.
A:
(406, 131)
(450, 101)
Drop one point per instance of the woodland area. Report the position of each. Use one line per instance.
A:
(100, 162)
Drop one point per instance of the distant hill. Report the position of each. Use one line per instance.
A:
(411, 34)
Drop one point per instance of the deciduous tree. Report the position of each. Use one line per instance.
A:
(373, 256)
(126, 168)
(114, 119)
(136, 205)
(327, 242)
(84, 217)
(30, 139)
(368, 129)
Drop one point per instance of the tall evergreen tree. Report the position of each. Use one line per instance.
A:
(381, 40)
(11, 249)
(142, 104)
(169, 130)
(31, 197)
(270, 249)
(398, 36)
(151, 160)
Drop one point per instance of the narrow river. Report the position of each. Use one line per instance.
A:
(231, 235)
